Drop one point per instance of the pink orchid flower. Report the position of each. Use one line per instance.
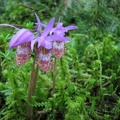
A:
(21, 40)
(59, 46)
(44, 46)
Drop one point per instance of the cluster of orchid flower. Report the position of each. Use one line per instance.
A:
(50, 41)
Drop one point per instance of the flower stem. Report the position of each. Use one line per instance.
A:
(31, 89)
(100, 79)
(54, 75)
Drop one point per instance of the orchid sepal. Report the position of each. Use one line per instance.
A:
(21, 37)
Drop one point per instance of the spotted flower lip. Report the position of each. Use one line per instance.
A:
(21, 37)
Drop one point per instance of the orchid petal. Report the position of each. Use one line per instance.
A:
(59, 25)
(48, 27)
(38, 20)
(39, 29)
(70, 28)
(9, 26)
(40, 40)
(16, 37)
(59, 38)
(21, 37)
(26, 37)
(40, 25)
(59, 33)
(47, 44)
(43, 25)
(32, 43)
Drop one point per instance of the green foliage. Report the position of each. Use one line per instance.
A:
(14, 88)
(88, 75)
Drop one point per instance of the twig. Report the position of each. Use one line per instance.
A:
(41, 112)
(1, 45)
(106, 84)
(31, 8)
(105, 112)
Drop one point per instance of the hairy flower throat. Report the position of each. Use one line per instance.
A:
(44, 59)
(23, 54)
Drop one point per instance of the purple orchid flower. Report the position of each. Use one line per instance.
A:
(59, 46)
(21, 40)
(24, 40)
(44, 46)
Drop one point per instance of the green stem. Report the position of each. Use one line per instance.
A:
(100, 67)
(31, 89)
(54, 74)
